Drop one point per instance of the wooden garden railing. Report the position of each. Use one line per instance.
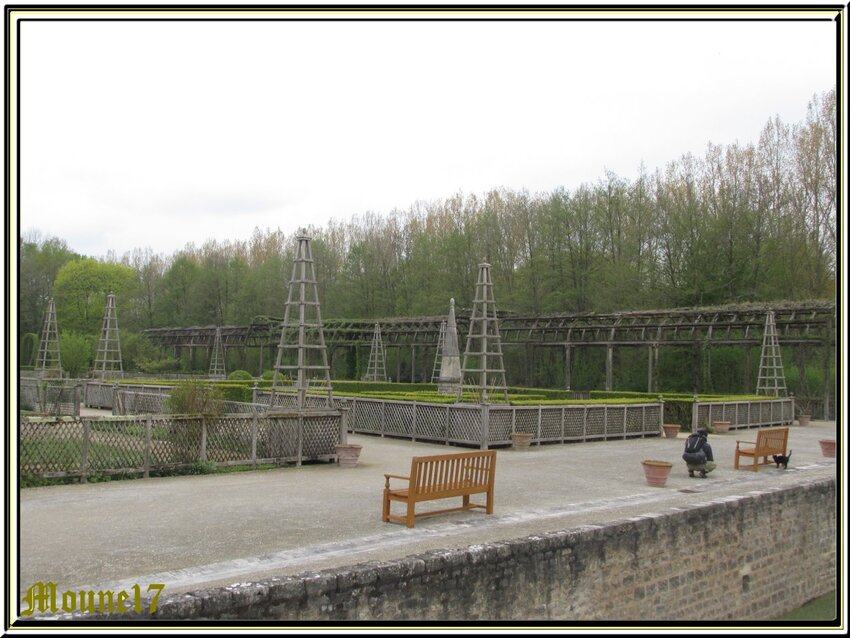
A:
(744, 414)
(62, 447)
(56, 398)
(491, 425)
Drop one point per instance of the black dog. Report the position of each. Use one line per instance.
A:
(781, 460)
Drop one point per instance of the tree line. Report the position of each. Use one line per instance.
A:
(739, 223)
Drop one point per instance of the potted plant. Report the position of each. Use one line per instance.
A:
(671, 430)
(347, 454)
(804, 419)
(721, 427)
(656, 472)
(827, 447)
(521, 440)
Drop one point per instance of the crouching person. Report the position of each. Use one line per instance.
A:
(698, 454)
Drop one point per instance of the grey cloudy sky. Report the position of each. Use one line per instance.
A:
(157, 134)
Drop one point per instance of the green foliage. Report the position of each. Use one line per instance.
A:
(203, 467)
(156, 366)
(77, 353)
(195, 397)
(240, 375)
(139, 353)
(241, 392)
(29, 349)
(532, 401)
(81, 288)
(822, 608)
(359, 387)
(28, 479)
(40, 261)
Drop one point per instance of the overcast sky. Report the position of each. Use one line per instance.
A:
(158, 134)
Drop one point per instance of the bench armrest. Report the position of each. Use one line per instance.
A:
(738, 442)
(387, 478)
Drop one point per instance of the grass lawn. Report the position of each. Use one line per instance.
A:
(822, 608)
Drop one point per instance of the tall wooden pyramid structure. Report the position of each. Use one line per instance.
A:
(771, 373)
(49, 360)
(107, 362)
(450, 378)
(483, 370)
(377, 369)
(301, 366)
(217, 367)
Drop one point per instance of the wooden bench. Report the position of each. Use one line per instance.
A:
(442, 476)
(767, 443)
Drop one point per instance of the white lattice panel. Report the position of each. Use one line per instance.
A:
(277, 437)
(465, 426)
(550, 428)
(616, 425)
(367, 417)
(116, 444)
(526, 420)
(431, 421)
(500, 424)
(574, 424)
(595, 422)
(398, 419)
(635, 421)
(50, 446)
(320, 435)
(229, 439)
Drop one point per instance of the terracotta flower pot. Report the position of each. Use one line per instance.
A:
(721, 427)
(656, 472)
(347, 454)
(671, 430)
(827, 447)
(521, 440)
(804, 419)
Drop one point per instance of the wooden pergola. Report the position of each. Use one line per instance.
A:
(808, 325)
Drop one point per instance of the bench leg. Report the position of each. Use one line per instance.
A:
(466, 501)
(490, 501)
(736, 459)
(386, 513)
(410, 514)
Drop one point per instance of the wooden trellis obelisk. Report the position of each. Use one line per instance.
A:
(483, 370)
(49, 361)
(217, 368)
(438, 358)
(302, 359)
(107, 362)
(450, 377)
(377, 370)
(771, 373)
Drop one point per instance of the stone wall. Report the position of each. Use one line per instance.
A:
(752, 557)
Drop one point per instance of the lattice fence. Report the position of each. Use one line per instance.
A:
(59, 447)
(56, 398)
(745, 414)
(485, 426)
(284, 398)
(99, 395)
